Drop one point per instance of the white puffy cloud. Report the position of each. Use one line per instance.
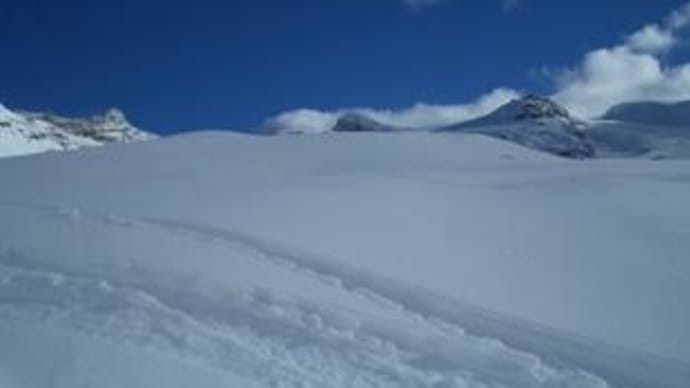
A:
(425, 115)
(608, 77)
(651, 39)
(418, 116)
(303, 121)
(631, 71)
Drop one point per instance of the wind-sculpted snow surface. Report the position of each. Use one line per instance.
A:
(312, 329)
(341, 261)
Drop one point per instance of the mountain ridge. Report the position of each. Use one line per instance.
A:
(25, 132)
(651, 112)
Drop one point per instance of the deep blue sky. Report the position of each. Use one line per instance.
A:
(210, 64)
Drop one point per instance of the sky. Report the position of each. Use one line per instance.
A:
(240, 64)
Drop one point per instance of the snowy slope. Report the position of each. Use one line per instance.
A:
(24, 133)
(350, 260)
(535, 122)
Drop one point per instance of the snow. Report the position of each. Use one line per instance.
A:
(49, 356)
(347, 260)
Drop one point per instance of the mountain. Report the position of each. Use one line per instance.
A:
(614, 139)
(644, 130)
(23, 132)
(534, 122)
(110, 127)
(652, 113)
(422, 260)
(357, 122)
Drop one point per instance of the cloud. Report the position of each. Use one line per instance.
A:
(631, 71)
(418, 116)
(302, 121)
(651, 39)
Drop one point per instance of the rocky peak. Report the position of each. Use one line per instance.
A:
(534, 107)
(26, 132)
(111, 126)
(356, 122)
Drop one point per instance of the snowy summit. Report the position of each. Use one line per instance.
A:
(357, 122)
(24, 132)
(535, 122)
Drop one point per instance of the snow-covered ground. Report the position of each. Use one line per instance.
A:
(348, 260)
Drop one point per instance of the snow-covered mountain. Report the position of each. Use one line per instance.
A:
(531, 121)
(652, 113)
(535, 122)
(28, 132)
(411, 260)
(614, 139)
(110, 127)
(645, 129)
(358, 122)
(636, 130)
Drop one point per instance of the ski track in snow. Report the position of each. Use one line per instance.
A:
(275, 339)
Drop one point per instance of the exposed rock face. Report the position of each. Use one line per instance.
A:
(112, 126)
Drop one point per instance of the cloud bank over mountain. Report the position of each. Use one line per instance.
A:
(633, 70)
(420, 115)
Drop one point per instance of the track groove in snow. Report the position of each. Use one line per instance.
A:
(259, 333)
(619, 366)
